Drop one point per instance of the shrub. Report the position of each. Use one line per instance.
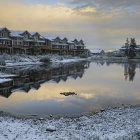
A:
(61, 58)
(83, 56)
(118, 55)
(2, 63)
(45, 60)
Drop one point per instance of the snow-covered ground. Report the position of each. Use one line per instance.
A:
(2, 80)
(20, 60)
(4, 75)
(113, 124)
(109, 58)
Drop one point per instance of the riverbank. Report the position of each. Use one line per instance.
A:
(32, 61)
(21, 60)
(112, 124)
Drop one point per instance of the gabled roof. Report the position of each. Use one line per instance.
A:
(51, 38)
(25, 32)
(81, 40)
(34, 33)
(64, 38)
(58, 38)
(70, 40)
(73, 39)
(42, 37)
(16, 33)
(1, 29)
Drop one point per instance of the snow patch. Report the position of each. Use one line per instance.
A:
(114, 124)
(5, 80)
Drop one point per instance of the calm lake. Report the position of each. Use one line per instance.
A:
(98, 85)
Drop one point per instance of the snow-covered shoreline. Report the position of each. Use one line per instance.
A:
(114, 124)
(22, 60)
(28, 60)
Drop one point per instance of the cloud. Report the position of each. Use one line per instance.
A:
(107, 4)
(60, 4)
(98, 27)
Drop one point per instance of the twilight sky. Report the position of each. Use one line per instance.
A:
(100, 23)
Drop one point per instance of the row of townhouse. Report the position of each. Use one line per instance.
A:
(24, 42)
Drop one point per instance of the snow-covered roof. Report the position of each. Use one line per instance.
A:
(96, 51)
(51, 38)
(29, 40)
(4, 38)
(33, 33)
(61, 38)
(16, 33)
(41, 41)
(2, 29)
(71, 40)
(123, 48)
(42, 37)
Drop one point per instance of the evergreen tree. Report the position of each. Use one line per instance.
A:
(127, 47)
(36, 48)
(130, 48)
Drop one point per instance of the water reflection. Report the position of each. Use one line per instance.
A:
(30, 78)
(97, 85)
(129, 68)
(129, 71)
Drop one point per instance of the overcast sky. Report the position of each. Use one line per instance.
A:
(100, 23)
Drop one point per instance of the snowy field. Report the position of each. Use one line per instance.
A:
(20, 60)
(112, 124)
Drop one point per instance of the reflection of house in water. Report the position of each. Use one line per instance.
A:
(31, 79)
(5, 89)
(129, 71)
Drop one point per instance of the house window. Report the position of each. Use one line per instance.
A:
(5, 34)
(26, 43)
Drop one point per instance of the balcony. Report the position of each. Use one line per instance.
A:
(46, 47)
(5, 46)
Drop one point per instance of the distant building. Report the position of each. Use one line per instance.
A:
(97, 52)
(24, 42)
